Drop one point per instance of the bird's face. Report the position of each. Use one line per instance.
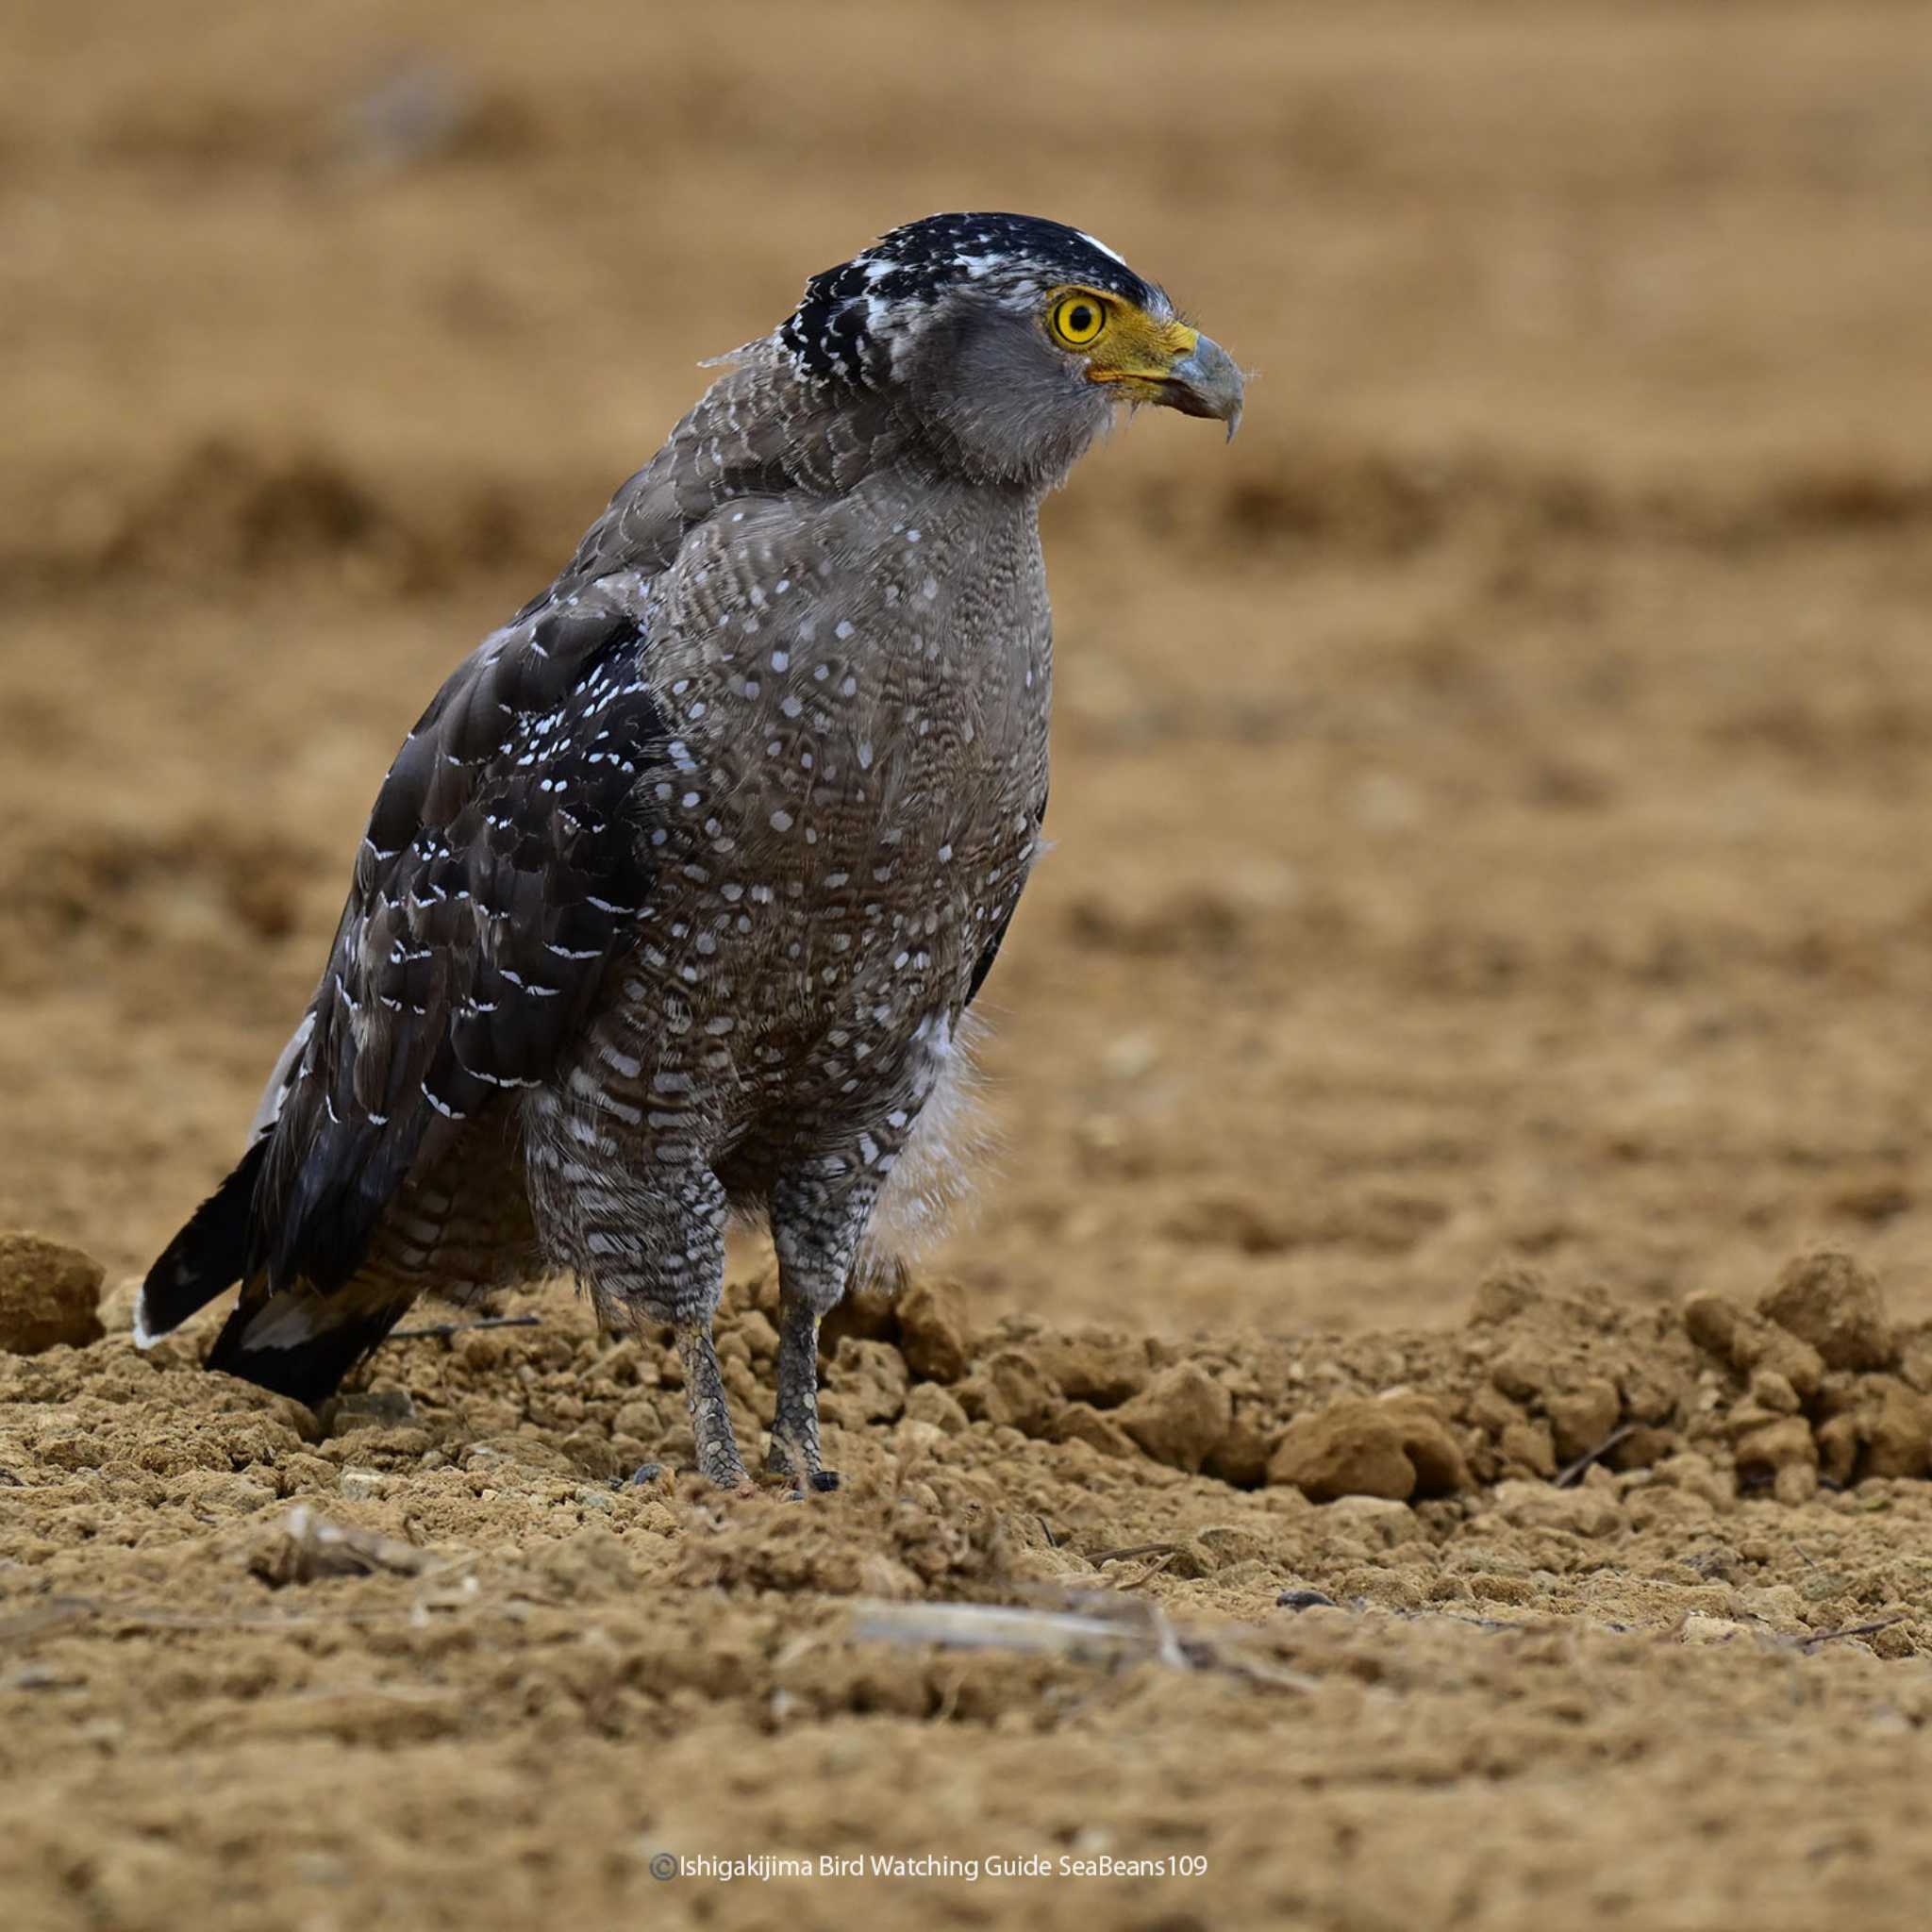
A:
(1006, 340)
(1143, 355)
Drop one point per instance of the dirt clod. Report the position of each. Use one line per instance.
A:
(1830, 1302)
(932, 1331)
(49, 1296)
(1181, 1418)
(1010, 1389)
(1395, 1448)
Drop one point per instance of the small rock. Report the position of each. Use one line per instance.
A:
(1831, 1301)
(1508, 1292)
(760, 1341)
(1839, 1439)
(1698, 1628)
(913, 1439)
(388, 1407)
(1380, 1521)
(1763, 1345)
(228, 1492)
(1241, 1460)
(1096, 1366)
(1898, 1434)
(360, 1485)
(1232, 1544)
(1305, 1600)
(1695, 1476)
(1796, 1483)
(1581, 1419)
(866, 1314)
(1749, 1344)
(591, 1562)
(869, 1376)
(1521, 1370)
(933, 1334)
(1080, 1421)
(1327, 1457)
(1586, 1512)
(1010, 1390)
(1773, 1447)
(1395, 1448)
(1180, 1418)
(1528, 1445)
(49, 1296)
(1878, 1426)
(1643, 1447)
(927, 1402)
(1711, 1322)
(880, 1576)
(1770, 1390)
(117, 1305)
(1777, 1604)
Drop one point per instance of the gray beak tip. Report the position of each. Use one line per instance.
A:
(1207, 382)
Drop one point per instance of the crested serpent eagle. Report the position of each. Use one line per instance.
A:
(671, 903)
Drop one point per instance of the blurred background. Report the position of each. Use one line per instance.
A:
(1490, 797)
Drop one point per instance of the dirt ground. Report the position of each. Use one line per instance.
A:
(1487, 952)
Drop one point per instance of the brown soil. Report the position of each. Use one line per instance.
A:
(1474, 1018)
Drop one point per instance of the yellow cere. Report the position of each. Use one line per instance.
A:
(1123, 343)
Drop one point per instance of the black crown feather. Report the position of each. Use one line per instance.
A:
(836, 330)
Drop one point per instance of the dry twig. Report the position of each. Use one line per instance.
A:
(444, 1331)
(1571, 1472)
(1818, 1636)
(1092, 1627)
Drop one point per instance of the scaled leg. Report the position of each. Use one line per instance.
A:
(817, 1223)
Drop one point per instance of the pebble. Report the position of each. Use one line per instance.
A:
(1305, 1600)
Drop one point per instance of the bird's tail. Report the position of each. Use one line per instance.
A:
(302, 1343)
(207, 1255)
(297, 1342)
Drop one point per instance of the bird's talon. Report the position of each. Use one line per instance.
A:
(825, 1480)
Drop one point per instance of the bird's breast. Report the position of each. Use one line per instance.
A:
(848, 804)
(859, 688)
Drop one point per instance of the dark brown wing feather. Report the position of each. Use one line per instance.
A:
(502, 868)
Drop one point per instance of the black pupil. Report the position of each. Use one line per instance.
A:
(1079, 320)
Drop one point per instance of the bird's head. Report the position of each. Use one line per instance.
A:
(1006, 340)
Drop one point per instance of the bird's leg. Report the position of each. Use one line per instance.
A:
(710, 1414)
(654, 1255)
(795, 1426)
(818, 1220)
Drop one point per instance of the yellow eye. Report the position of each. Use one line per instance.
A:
(1077, 320)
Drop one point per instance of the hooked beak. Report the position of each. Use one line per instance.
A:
(1204, 382)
